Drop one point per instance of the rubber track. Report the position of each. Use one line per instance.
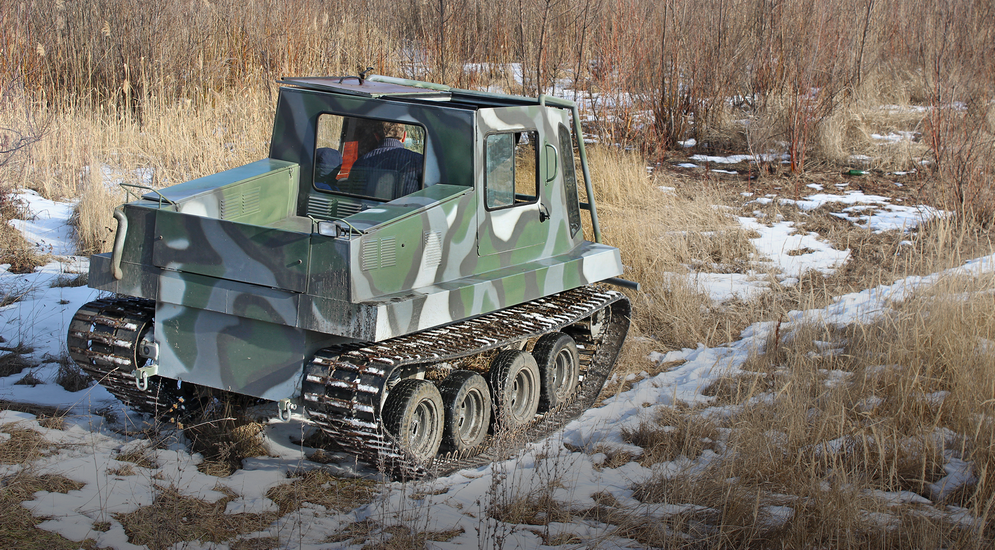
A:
(103, 339)
(343, 386)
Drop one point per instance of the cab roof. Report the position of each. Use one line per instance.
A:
(354, 85)
(378, 86)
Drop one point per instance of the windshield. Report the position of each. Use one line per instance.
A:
(368, 158)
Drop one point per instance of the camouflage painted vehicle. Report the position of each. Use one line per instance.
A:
(408, 266)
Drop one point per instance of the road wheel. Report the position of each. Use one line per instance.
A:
(467, 402)
(515, 387)
(413, 414)
(559, 369)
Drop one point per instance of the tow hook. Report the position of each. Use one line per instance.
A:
(283, 409)
(142, 375)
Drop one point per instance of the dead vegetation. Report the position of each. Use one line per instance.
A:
(12, 361)
(23, 445)
(676, 432)
(222, 432)
(70, 376)
(18, 527)
(324, 489)
(824, 423)
(173, 518)
(14, 250)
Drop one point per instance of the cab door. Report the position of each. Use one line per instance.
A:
(511, 214)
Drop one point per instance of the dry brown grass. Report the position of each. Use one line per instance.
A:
(537, 508)
(23, 446)
(224, 443)
(662, 234)
(14, 250)
(398, 537)
(823, 429)
(18, 527)
(86, 154)
(222, 432)
(13, 362)
(392, 537)
(324, 489)
(70, 376)
(167, 95)
(174, 518)
(676, 432)
(142, 456)
(11, 293)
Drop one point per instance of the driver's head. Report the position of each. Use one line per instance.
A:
(386, 130)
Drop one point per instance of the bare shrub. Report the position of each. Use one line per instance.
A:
(960, 127)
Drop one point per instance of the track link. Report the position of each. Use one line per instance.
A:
(344, 386)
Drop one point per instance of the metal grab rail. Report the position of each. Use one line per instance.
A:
(162, 198)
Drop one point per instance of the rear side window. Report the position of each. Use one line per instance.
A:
(368, 158)
(569, 180)
(510, 176)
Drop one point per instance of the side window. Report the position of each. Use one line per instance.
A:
(372, 159)
(510, 176)
(569, 180)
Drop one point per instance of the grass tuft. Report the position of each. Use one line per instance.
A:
(70, 376)
(18, 527)
(70, 280)
(23, 446)
(675, 433)
(222, 433)
(29, 379)
(174, 518)
(13, 363)
(324, 489)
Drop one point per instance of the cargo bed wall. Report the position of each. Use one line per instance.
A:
(275, 258)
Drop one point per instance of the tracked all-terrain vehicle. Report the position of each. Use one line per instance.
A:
(408, 266)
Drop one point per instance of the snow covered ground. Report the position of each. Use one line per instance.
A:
(90, 445)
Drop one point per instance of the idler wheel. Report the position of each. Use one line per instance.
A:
(467, 402)
(559, 369)
(515, 387)
(413, 414)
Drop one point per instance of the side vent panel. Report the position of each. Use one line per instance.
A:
(240, 202)
(347, 208)
(377, 253)
(250, 201)
(371, 254)
(388, 252)
(433, 249)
